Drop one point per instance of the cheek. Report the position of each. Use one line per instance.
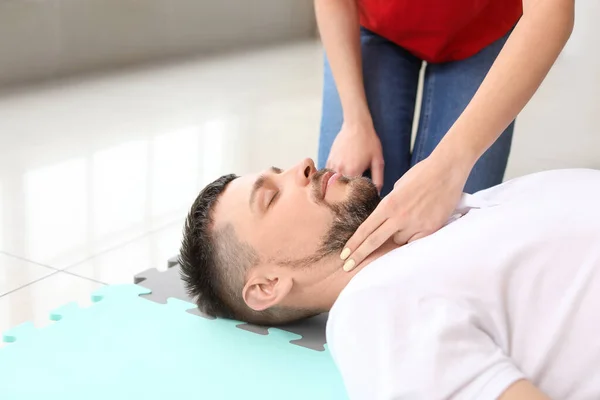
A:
(295, 234)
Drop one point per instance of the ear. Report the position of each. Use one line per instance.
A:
(265, 290)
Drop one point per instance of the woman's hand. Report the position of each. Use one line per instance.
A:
(421, 203)
(356, 149)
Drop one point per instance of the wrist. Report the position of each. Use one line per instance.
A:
(465, 143)
(356, 109)
(358, 117)
(455, 156)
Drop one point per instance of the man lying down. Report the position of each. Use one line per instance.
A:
(503, 302)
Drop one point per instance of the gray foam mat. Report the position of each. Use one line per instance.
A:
(167, 284)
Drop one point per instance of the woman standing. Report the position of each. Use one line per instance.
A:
(485, 60)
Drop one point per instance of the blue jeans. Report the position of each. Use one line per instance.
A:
(391, 77)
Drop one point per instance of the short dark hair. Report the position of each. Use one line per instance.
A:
(214, 263)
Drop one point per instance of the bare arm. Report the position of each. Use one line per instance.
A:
(425, 197)
(356, 147)
(523, 390)
(340, 32)
(520, 68)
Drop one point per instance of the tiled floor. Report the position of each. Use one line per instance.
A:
(96, 175)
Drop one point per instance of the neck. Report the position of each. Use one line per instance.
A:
(324, 291)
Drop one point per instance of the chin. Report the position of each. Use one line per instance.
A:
(360, 201)
(364, 187)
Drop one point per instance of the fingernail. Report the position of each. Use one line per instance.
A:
(349, 265)
(345, 253)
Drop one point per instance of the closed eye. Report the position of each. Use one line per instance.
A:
(273, 199)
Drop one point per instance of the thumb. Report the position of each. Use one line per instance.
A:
(377, 167)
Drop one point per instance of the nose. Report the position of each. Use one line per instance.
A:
(304, 171)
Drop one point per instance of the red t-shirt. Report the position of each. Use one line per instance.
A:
(440, 30)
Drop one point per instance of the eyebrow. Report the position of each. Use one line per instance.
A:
(260, 182)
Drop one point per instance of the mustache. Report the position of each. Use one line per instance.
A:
(316, 181)
(316, 178)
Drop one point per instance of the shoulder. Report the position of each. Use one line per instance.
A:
(389, 286)
(402, 348)
(539, 184)
(359, 308)
(364, 332)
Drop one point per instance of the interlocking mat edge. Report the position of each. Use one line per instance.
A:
(124, 346)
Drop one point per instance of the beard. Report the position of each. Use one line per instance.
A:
(349, 215)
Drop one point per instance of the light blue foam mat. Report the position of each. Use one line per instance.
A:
(126, 347)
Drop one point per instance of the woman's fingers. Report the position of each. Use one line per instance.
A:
(402, 237)
(374, 221)
(371, 242)
(417, 236)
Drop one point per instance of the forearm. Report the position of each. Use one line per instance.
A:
(340, 33)
(523, 390)
(518, 71)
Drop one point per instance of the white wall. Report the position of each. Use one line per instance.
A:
(46, 38)
(560, 127)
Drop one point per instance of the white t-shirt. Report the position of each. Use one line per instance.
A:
(510, 290)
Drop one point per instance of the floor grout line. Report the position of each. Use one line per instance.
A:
(108, 250)
(123, 244)
(86, 278)
(56, 271)
(28, 261)
(30, 283)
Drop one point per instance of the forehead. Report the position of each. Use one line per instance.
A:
(233, 204)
